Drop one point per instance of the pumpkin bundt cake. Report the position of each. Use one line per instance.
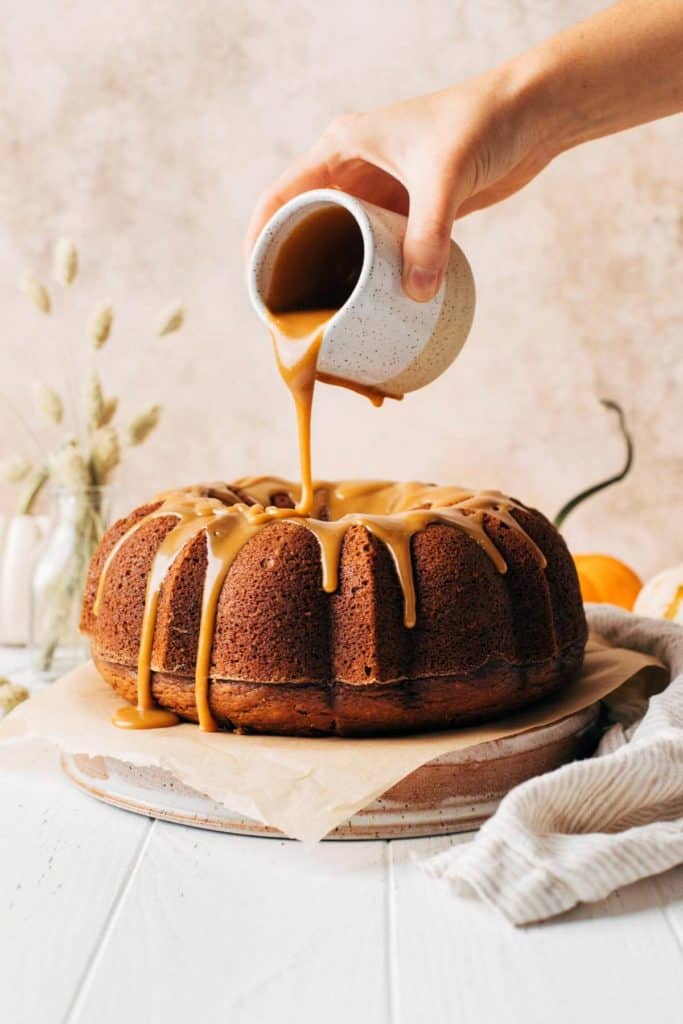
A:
(393, 608)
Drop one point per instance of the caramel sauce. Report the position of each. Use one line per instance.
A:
(316, 270)
(297, 338)
(374, 395)
(135, 717)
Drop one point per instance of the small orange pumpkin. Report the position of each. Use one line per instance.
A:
(603, 578)
(607, 580)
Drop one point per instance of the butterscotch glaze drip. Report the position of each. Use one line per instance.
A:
(391, 512)
(374, 395)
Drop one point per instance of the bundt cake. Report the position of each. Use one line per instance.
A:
(394, 608)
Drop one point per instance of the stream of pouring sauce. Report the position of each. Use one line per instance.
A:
(316, 270)
(297, 338)
(301, 303)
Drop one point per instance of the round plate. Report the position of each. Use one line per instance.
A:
(454, 793)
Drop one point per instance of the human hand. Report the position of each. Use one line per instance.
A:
(433, 158)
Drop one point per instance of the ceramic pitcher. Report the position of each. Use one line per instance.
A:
(379, 337)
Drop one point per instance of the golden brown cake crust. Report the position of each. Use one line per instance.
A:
(289, 658)
(315, 709)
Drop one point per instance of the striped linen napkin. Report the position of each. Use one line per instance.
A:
(582, 831)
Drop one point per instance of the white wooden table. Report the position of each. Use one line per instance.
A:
(109, 917)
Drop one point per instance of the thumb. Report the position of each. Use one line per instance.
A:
(426, 245)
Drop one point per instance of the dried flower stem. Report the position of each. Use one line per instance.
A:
(81, 469)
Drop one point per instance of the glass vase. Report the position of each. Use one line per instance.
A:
(79, 520)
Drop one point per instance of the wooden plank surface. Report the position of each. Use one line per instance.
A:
(614, 960)
(63, 861)
(107, 917)
(216, 927)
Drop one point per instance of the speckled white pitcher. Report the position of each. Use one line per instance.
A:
(379, 337)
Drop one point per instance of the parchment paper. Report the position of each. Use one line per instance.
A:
(305, 787)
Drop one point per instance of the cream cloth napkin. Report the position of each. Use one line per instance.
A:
(580, 832)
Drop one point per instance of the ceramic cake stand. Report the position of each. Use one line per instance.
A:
(454, 793)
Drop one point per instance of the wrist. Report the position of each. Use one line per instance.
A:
(547, 117)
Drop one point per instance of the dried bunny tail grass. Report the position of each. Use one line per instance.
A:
(172, 319)
(48, 402)
(37, 292)
(69, 468)
(34, 485)
(106, 454)
(11, 694)
(109, 407)
(100, 326)
(14, 469)
(66, 261)
(142, 425)
(94, 402)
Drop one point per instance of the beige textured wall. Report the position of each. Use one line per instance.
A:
(145, 128)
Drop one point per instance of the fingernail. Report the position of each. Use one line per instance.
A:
(422, 284)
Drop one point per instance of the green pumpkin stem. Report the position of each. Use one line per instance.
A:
(579, 498)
